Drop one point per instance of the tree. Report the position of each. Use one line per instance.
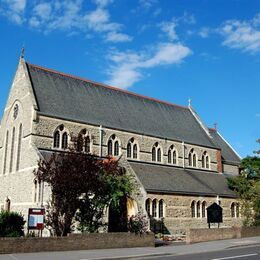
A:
(11, 224)
(82, 187)
(247, 186)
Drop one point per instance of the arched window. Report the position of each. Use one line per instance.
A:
(203, 210)
(19, 148)
(129, 150)
(154, 208)
(113, 148)
(172, 155)
(205, 160)
(87, 144)
(110, 148)
(80, 142)
(159, 155)
(192, 158)
(156, 153)
(6, 149)
(193, 209)
(169, 156)
(198, 209)
(64, 144)
(12, 151)
(83, 142)
(148, 207)
(116, 149)
(56, 141)
(132, 149)
(161, 209)
(61, 138)
(153, 154)
(135, 152)
(232, 209)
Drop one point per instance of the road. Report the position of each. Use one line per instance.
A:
(244, 248)
(249, 253)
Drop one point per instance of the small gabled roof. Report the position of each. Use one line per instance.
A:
(227, 152)
(170, 179)
(72, 98)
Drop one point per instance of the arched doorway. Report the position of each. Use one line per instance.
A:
(118, 216)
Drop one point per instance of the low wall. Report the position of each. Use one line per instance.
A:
(204, 234)
(75, 242)
(250, 231)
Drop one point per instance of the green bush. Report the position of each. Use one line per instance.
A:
(11, 224)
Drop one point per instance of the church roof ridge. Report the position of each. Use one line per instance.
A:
(105, 85)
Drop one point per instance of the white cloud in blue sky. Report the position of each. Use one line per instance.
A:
(243, 35)
(126, 68)
(13, 10)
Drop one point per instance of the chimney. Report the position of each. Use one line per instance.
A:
(219, 161)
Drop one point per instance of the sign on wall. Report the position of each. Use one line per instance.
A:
(214, 214)
(36, 218)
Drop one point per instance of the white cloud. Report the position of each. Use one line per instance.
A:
(43, 10)
(147, 3)
(167, 53)
(128, 66)
(169, 29)
(187, 18)
(243, 35)
(117, 37)
(103, 3)
(98, 16)
(70, 16)
(204, 32)
(13, 10)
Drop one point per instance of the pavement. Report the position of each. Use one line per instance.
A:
(140, 252)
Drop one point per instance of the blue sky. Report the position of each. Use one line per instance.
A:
(206, 50)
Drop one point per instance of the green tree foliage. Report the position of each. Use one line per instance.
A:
(11, 224)
(82, 186)
(247, 186)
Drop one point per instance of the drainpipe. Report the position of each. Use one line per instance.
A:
(100, 140)
(183, 154)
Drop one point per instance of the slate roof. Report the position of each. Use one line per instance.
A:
(227, 152)
(76, 99)
(172, 180)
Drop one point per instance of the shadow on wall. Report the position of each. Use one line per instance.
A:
(158, 226)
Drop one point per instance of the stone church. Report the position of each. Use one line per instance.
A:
(179, 164)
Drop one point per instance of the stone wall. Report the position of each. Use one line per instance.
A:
(17, 181)
(202, 235)
(45, 127)
(177, 212)
(75, 242)
(231, 169)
